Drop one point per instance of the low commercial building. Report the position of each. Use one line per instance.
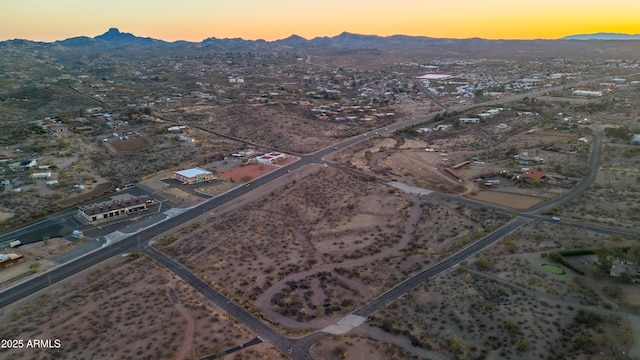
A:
(41, 175)
(587, 93)
(10, 259)
(271, 158)
(177, 129)
(194, 175)
(119, 205)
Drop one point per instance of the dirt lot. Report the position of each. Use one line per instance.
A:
(246, 173)
(120, 146)
(302, 255)
(96, 191)
(147, 311)
(510, 200)
(405, 162)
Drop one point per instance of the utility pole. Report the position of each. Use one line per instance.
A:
(51, 291)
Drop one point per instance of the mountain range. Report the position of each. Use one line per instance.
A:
(115, 39)
(603, 36)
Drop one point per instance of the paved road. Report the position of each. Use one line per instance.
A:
(436, 269)
(32, 233)
(431, 97)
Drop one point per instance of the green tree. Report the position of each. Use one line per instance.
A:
(605, 260)
(34, 266)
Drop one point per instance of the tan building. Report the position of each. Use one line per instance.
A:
(119, 205)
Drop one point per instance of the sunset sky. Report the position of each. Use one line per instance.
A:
(195, 20)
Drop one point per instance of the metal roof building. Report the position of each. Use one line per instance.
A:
(193, 175)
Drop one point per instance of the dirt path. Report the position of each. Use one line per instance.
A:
(187, 341)
(263, 302)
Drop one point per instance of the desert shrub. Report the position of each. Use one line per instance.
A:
(457, 345)
(511, 246)
(511, 326)
(484, 264)
(613, 292)
(522, 345)
(588, 318)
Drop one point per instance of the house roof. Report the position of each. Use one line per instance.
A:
(533, 175)
(453, 172)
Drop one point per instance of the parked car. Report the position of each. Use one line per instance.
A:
(555, 218)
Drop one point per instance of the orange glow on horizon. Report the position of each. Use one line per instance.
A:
(196, 20)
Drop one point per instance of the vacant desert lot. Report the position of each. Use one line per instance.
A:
(325, 217)
(614, 196)
(304, 254)
(125, 308)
